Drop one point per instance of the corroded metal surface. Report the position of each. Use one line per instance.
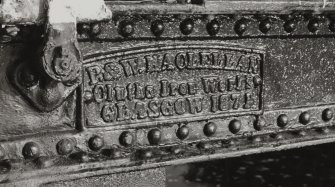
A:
(167, 87)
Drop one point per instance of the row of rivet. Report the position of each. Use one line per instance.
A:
(304, 118)
(126, 28)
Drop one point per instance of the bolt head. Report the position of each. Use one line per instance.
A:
(31, 150)
(183, 132)
(235, 126)
(126, 28)
(290, 26)
(126, 139)
(282, 120)
(327, 114)
(210, 129)
(259, 123)
(187, 26)
(96, 143)
(157, 27)
(213, 27)
(154, 136)
(265, 26)
(65, 146)
(304, 118)
(257, 80)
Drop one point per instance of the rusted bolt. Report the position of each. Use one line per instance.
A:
(157, 27)
(31, 150)
(154, 136)
(235, 126)
(126, 138)
(96, 143)
(183, 132)
(213, 27)
(187, 26)
(210, 129)
(282, 120)
(126, 28)
(65, 146)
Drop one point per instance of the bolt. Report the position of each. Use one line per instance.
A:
(183, 132)
(126, 28)
(265, 26)
(210, 129)
(65, 146)
(96, 143)
(240, 26)
(213, 27)
(235, 126)
(282, 120)
(304, 118)
(327, 114)
(259, 123)
(126, 138)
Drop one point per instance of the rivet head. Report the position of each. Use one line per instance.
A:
(210, 129)
(265, 26)
(65, 146)
(327, 114)
(235, 126)
(204, 145)
(213, 27)
(157, 27)
(257, 81)
(95, 29)
(313, 25)
(154, 136)
(146, 154)
(187, 26)
(31, 150)
(290, 26)
(126, 28)
(282, 120)
(182, 132)
(96, 143)
(126, 138)
(240, 26)
(304, 118)
(259, 123)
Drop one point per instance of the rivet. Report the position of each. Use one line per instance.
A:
(324, 130)
(259, 123)
(145, 154)
(176, 150)
(112, 153)
(240, 26)
(154, 136)
(327, 114)
(96, 143)
(257, 80)
(204, 145)
(126, 138)
(126, 28)
(290, 26)
(235, 126)
(301, 133)
(65, 146)
(282, 120)
(182, 132)
(332, 26)
(213, 27)
(277, 136)
(157, 27)
(44, 161)
(26, 77)
(31, 150)
(80, 156)
(210, 129)
(265, 26)
(187, 26)
(256, 139)
(313, 25)
(304, 118)
(95, 29)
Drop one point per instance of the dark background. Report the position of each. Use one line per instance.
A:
(306, 167)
